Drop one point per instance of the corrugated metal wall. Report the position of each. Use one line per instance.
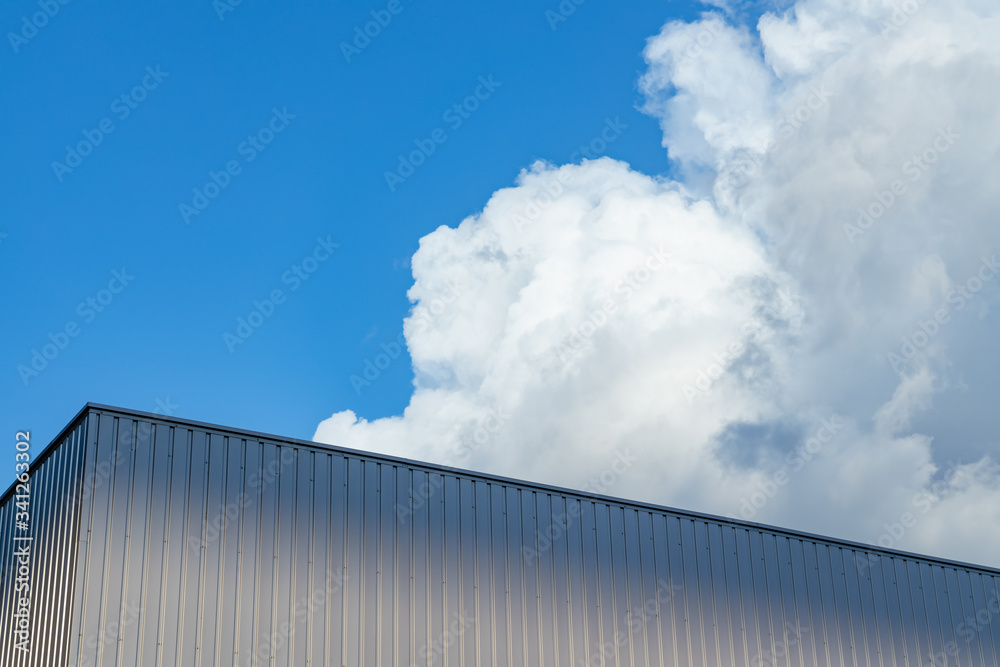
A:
(53, 522)
(208, 547)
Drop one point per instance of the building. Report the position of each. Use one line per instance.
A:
(163, 541)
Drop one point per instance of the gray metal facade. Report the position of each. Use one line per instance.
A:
(169, 542)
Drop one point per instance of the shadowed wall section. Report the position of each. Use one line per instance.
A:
(191, 544)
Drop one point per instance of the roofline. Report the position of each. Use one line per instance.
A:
(488, 477)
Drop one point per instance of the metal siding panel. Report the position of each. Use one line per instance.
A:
(516, 554)
(500, 585)
(646, 615)
(817, 604)
(748, 596)
(338, 558)
(453, 568)
(893, 645)
(53, 487)
(907, 619)
(768, 602)
(959, 606)
(196, 544)
(421, 574)
(692, 588)
(605, 573)
(154, 582)
(94, 573)
(860, 620)
(411, 550)
(248, 562)
(935, 624)
(681, 626)
(562, 637)
(284, 560)
(302, 538)
(776, 577)
(119, 542)
(706, 594)
(355, 537)
(467, 569)
(634, 594)
(371, 532)
(176, 546)
(972, 601)
(547, 640)
(323, 589)
(42, 527)
(989, 630)
(805, 628)
(387, 560)
(483, 573)
(193, 572)
(870, 619)
(787, 644)
(591, 593)
(943, 599)
(720, 594)
(88, 476)
(137, 539)
(229, 609)
(214, 516)
(921, 614)
(7, 563)
(575, 579)
(656, 617)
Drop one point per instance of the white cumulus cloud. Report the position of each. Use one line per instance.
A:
(800, 332)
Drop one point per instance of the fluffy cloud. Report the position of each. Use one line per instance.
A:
(800, 332)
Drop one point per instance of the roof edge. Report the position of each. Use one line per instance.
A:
(549, 488)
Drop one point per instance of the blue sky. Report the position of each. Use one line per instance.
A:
(322, 176)
(751, 282)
